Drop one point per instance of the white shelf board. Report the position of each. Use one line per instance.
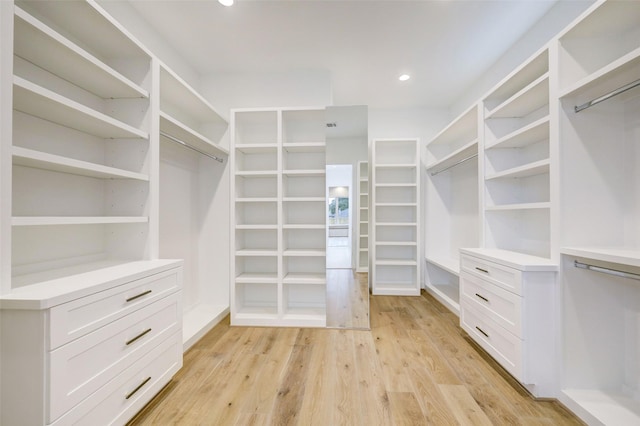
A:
(448, 295)
(519, 206)
(303, 226)
(198, 320)
(75, 220)
(396, 224)
(42, 160)
(180, 94)
(257, 227)
(396, 243)
(43, 290)
(395, 205)
(620, 255)
(396, 185)
(256, 252)
(465, 126)
(304, 278)
(527, 135)
(521, 76)
(445, 263)
(531, 169)
(181, 131)
(43, 103)
(395, 262)
(257, 278)
(396, 289)
(257, 148)
(304, 199)
(304, 147)
(512, 259)
(257, 173)
(456, 156)
(620, 65)
(257, 200)
(37, 43)
(606, 407)
(304, 253)
(395, 166)
(529, 99)
(256, 313)
(304, 173)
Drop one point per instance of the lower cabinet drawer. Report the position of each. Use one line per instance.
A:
(508, 278)
(501, 306)
(503, 346)
(75, 319)
(120, 399)
(85, 365)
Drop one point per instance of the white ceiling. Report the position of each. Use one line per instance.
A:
(364, 45)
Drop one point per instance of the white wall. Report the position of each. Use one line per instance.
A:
(561, 15)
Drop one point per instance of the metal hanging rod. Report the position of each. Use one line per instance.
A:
(606, 270)
(455, 164)
(183, 143)
(603, 98)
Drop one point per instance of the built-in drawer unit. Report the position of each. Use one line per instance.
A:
(100, 347)
(507, 307)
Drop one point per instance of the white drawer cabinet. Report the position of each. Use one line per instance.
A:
(507, 305)
(66, 364)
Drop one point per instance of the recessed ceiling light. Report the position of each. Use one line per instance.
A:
(404, 77)
(226, 2)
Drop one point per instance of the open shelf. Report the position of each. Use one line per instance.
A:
(305, 278)
(43, 103)
(199, 319)
(455, 157)
(42, 160)
(260, 278)
(75, 220)
(527, 135)
(620, 255)
(529, 99)
(602, 406)
(532, 169)
(175, 128)
(302, 147)
(448, 264)
(518, 206)
(41, 45)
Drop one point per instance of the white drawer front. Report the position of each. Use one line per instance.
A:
(503, 276)
(75, 319)
(86, 364)
(503, 307)
(503, 346)
(110, 405)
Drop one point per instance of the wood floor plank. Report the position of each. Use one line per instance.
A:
(405, 409)
(346, 410)
(393, 360)
(319, 399)
(463, 406)
(286, 409)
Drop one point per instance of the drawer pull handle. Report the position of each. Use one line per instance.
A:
(482, 297)
(138, 336)
(482, 270)
(482, 331)
(133, 392)
(138, 296)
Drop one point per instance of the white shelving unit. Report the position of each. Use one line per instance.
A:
(598, 54)
(517, 159)
(278, 168)
(395, 217)
(362, 264)
(451, 192)
(191, 165)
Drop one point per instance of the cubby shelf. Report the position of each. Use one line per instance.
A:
(532, 169)
(57, 163)
(256, 252)
(527, 100)
(259, 278)
(302, 278)
(304, 147)
(303, 173)
(43, 103)
(39, 44)
(527, 135)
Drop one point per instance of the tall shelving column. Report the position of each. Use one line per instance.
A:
(256, 200)
(452, 204)
(186, 199)
(395, 191)
(600, 213)
(278, 183)
(363, 217)
(303, 217)
(517, 159)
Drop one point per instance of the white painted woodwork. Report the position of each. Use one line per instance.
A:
(395, 217)
(278, 275)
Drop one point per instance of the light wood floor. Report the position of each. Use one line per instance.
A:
(415, 367)
(347, 299)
